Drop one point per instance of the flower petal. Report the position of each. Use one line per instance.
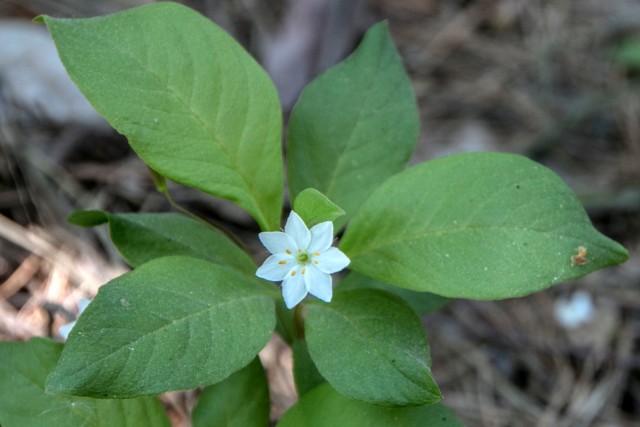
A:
(277, 242)
(321, 237)
(276, 267)
(331, 261)
(297, 230)
(293, 289)
(318, 283)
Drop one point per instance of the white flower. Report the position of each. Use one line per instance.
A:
(66, 328)
(302, 259)
(575, 311)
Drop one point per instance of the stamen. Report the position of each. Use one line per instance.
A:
(282, 262)
(316, 254)
(303, 270)
(293, 273)
(288, 251)
(315, 261)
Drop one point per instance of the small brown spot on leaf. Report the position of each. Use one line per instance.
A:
(580, 258)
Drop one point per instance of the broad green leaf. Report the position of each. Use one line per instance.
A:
(242, 400)
(314, 207)
(24, 403)
(141, 237)
(354, 126)
(173, 323)
(305, 373)
(193, 104)
(370, 345)
(422, 303)
(324, 407)
(476, 225)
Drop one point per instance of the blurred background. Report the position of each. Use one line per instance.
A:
(557, 81)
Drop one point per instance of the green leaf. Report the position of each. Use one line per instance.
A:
(193, 104)
(324, 407)
(242, 400)
(476, 225)
(627, 53)
(370, 345)
(314, 207)
(422, 303)
(305, 373)
(141, 237)
(24, 403)
(173, 323)
(88, 218)
(354, 126)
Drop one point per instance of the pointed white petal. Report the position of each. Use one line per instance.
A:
(276, 267)
(293, 289)
(296, 228)
(321, 237)
(318, 283)
(331, 261)
(277, 242)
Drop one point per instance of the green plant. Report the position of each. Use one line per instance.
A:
(192, 313)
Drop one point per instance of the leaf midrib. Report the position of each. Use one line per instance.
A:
(356, 125)
(452, 230)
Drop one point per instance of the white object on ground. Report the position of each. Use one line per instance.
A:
(574, 311)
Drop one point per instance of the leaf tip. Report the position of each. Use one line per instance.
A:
(382, 24)
(88, 218)
(616, 254)
(621, 253)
